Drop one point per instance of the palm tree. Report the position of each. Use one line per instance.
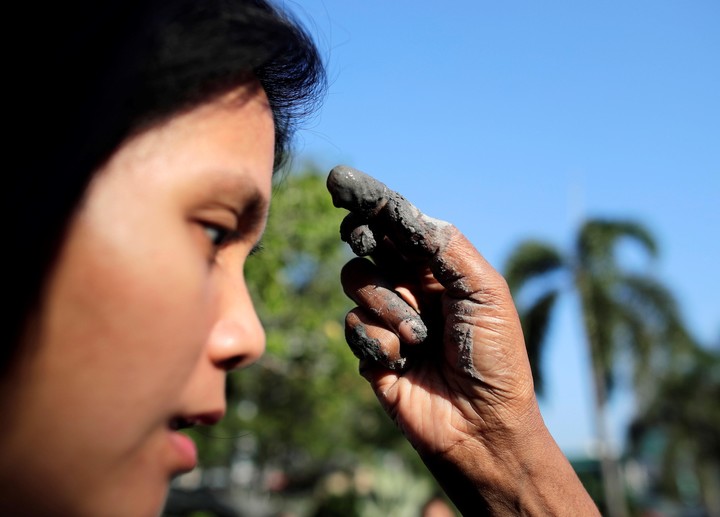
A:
(624, 312)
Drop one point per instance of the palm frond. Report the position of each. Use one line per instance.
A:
(535, 322)
(648, 296)
(684, 413)
(598, 238)
(656, 309)
(531, 259)
(635, 336)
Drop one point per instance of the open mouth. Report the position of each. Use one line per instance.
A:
(178, 423)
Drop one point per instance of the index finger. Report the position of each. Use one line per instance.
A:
(453, 260)
(413, 232)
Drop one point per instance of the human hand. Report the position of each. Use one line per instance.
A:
(435, 328)
(441, 344)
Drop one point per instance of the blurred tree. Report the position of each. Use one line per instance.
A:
(302, 410)
(625, 315)
(679, 429)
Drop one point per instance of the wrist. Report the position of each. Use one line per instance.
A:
(518, 472)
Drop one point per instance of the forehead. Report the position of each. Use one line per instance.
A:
(228, 142)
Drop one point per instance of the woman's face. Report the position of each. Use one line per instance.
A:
(144, 314)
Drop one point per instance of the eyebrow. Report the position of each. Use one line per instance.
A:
(253, 212)
(241, 197)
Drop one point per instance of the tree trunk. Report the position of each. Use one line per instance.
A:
(613, 486)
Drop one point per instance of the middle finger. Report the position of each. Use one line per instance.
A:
(364, 283)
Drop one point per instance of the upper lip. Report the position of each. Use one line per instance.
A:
(185, 421)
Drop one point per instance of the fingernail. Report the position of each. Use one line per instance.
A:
(356, 191)
(362, 241)
(412, 331)
(362, 345)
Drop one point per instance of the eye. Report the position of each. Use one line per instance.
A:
(217, 235)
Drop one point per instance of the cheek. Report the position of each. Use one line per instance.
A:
(160, 309)
(133, 313)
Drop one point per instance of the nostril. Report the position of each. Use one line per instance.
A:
(231, 363)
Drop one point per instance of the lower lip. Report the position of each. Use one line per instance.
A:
(186, 449)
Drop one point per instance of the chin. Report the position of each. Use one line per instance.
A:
(141, 498)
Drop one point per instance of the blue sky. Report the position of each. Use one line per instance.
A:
(519, 119)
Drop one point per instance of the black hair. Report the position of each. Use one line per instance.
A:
(91, 74)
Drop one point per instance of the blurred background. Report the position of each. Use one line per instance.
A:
(577, 145)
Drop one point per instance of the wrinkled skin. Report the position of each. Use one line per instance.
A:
(448, 334)
(441, 344)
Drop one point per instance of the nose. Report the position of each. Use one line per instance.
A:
(237, 338)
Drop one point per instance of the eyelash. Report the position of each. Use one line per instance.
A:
(224, 237)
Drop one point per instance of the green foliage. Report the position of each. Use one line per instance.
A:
(677, 428)
(385, 485)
